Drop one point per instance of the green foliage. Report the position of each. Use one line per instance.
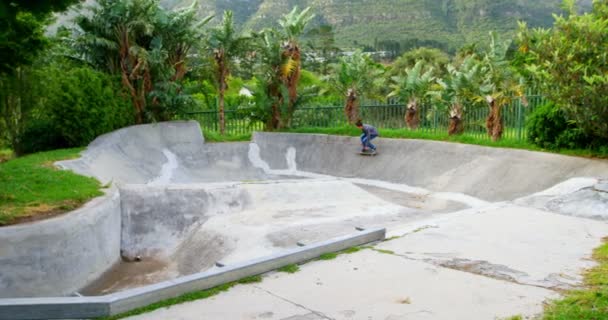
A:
(415, 84)
(432, 58)
(589, 303)
(31, 186)
(549, 128)
(356, 72)
(20, 94)
(39, 134)
(21, 39)
(290, 268)
(294, 22)
(83, 104)
(328, 256)
(22, 26)
(461, 85)
(278, 69)
(146, 45)
(570, 61)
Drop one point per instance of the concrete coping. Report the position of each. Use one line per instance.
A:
(119, 302)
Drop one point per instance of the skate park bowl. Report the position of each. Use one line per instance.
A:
(180, 214)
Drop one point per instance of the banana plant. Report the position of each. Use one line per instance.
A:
(293, 25)
(226, 45)
(500, 86)
(279, 67)
(459, 88)
(413, 87)
(354, 76)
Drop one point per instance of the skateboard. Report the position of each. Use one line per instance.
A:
(368, 153)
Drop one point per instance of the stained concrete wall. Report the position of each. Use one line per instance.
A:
(492, 174)
(158, 219)
(60, 255)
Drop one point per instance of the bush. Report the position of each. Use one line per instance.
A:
(549, 128)
(39, 135)
(85, 104)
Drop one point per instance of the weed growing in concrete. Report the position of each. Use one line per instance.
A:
(191, 296)
(328, 256)
(251, 279)
(351, 250)
(290, 268)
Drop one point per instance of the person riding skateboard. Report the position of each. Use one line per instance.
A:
(369, 133)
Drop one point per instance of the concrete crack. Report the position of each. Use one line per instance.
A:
(469, 268)
(318, 313)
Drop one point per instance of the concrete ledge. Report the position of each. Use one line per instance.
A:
(91, 307)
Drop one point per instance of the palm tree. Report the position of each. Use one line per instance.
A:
(501, 84)
(413, 87)
(141, 42)
(461, 86)
(354, 76)
(293, 25)
(279, 68)
(226, 46)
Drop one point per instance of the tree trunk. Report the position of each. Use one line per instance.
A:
(494, 122)
(290, 80)
(351, 108)
(412, 116)
(222, 76)
(456, 125)
(274, 121)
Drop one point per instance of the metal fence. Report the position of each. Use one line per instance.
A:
(384, 115)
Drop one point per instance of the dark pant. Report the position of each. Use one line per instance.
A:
(368, 143)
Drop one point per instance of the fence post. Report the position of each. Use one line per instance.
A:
(519, 120)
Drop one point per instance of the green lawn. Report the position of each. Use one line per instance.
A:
(589, 303)
(33, 188)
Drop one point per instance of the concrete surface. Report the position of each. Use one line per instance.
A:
(507, 242)
(60, 255)
(365, 285)
(103, 306)
(481, 232)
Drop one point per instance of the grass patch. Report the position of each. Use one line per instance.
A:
(333, 255)
(589, 303)
(290, 268)
(328, 256)
(33, 188)
(212, 136)
(251, 279)
(466, 138)
(191, 296)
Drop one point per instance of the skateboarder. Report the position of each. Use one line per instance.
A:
(369, 133)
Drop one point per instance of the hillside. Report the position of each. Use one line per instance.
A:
(442, 23)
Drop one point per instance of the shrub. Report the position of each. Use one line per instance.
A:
(84, 104)
(549, 128)
(39, 135)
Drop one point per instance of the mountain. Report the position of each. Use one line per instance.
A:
(447, 24)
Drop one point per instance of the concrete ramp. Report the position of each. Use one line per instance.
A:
(161, 153)
(520, 221)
